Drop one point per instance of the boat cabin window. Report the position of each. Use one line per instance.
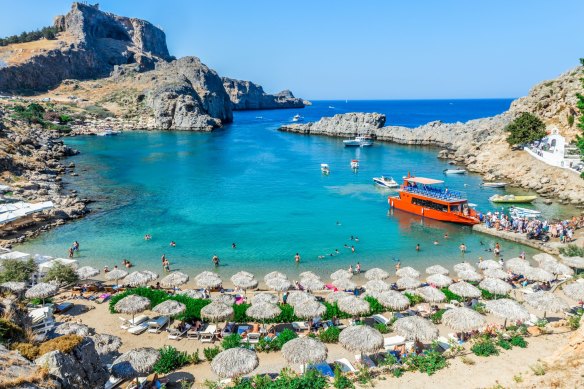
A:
(430, 204)
(455, 208)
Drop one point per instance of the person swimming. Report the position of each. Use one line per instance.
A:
(233, 246)
(418, 247)
(172, 243)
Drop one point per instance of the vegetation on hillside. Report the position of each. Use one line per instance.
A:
(62, 274)
(35, 113)
(524, 129)
(17, 270)
(580, 105)
(49, 32)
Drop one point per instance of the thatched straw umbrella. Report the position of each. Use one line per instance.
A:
(430, 294)
(14, 287)
(376, 286)
(137, 278)
(296, 297)
(463, 319)
(575, 290)
(393, 300)
(440, 280)
(544, 257)
(274, 274)
(309, 274)
(264, 298)
(169, 308)
(464, 289)
(333, 297)
(72, 328)
(538, 274)
(105, 343)
(517, 265)
(496, 286)
(263, 311)
(310, 283)
(407, 271)
(116, 274)
(353, 306)
(574, 262)
(489, 264)
(42, 290)
(132, 304)
(496, 273)
(376, 274)
(341, 273)
(416, 328)
(243, 281)
(344, 284)
(174, 279)
(278, 284)
(363, 339)
(472, 276)
(217, 312)
(244, 273)
(227, 299)
(507, 309)
(86, 272)
(234, 362)
(208, 280)
(437, 269)
(463, 266)
(150, 274)
(194, 294)
(309, 310)
(135, 363)
(557, 268)
(408, 283)
(303, 351)
(546, 302)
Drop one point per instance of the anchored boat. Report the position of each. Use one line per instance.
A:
(385, 182)
(519, 212)
(355, 164)
(359, 141)
(494, 184)
(512, 199)
(427, 197)
(454, 171)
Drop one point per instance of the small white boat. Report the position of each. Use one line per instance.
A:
(359, 141)
(331, 107)
(324, 168)
(385, 182)
(297, 118)
(524, 212)
(454, 171)
(355, 164)
(494, 184)
(108, 133)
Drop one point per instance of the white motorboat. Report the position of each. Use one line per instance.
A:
(385, 182)
(297, 118)
(324, 168)
(354, 164)
(524, 212)
(454, 171)
(494, 184)
(108, 133)
(359, 141)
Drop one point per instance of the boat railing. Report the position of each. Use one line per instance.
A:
(436, 193)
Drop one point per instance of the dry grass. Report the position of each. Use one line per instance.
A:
(19, 52)
(35, 375)
(65, 344)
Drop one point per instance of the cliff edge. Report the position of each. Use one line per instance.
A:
(245, 95)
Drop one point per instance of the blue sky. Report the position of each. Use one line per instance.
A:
(359, 49)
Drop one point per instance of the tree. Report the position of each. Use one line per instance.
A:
(525, 128)
(63, 274)
(17, 270)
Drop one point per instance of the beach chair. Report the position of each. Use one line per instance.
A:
(380, 319)
(366, 360)
(391, 342)
(300, 326)
(228, 329)
(443, 343)
(345, 366)
(156, 325)
(103, 298)
(253, 337)
(208, 336)
(42, 320)
(175, 334)
(195, 334)
(138, 329)
(63, 307)
(127, 323)
(323, 368)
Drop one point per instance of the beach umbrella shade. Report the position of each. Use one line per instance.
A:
(472, 276)
(86, 272)
(463, 319)
(437, 269)
(407, 271)
(430, 294)
(303, 351)
(243, 273)
(194, 294)
(517, 265)
(116, 275)
(309, 274)
(363, 339)
(263, 311)
(376, 274)
(376, 286)
(557, 268)
(227, 299)
(546, 302)
(507, 309)
(217, 311)
(174, 279)
(575, 290)
(311, 283)
(353, 306)
(309, 310)
(234, 362)
(341, 273)
(496, 273)
(463, 266)
(464, 289)
(393, 300)
(72, 328)
(132, 304)
(489, 264)
(278, 284)
(264, 298)
(14, 287)
(440, 280)
(105, 343)
(137, 279)
(244, 282)
(169, 308)
(416, 328)
(208, 280)
(274, 274)
(574, 262)
(538, 274)
(408, 283)
(296, 297)
(544, 257)
(333, 297)
(496, 286)
(42, 290)
(344, 284)
(135, 363)
(150, 274)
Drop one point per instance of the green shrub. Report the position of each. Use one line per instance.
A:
(375, 306)
(383, 328)
(436, 317)
(231, 341)
(332, 310)
(429, 362)
(62, 274)
(572, 250)
(485, 347)
(195, 358)
(518, 341)
(526, 128)
(211, 352)
(341, 381)
(574, 321)
(48, 32)
(504, 344)
(450, 296)
(99, 111)
(170, 359)
(570, 120)
(17, 270)
(283, 338)
(330, 335)
(414, 299)
(9, 331)
(480, 308)
(486, 295)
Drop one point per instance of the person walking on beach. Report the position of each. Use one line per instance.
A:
(297, 258)
(215, 260)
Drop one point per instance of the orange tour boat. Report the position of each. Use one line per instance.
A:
(425, 197)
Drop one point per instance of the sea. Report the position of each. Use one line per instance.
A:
(261, 191)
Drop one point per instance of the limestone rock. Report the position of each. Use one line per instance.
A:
(245, 95)
(346, 125)
(15, 369)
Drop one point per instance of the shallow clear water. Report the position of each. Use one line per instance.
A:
(263, 190)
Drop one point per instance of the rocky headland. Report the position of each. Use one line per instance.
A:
(245, 95)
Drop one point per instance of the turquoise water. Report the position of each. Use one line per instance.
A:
(263, 190)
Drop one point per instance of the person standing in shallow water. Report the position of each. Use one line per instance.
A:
(297, 258)
(215, 260)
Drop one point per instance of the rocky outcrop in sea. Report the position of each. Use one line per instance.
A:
(245, 95)
(347, 125)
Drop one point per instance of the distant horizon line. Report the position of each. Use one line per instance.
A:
(413, 99)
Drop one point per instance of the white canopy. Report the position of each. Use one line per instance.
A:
(45, 266)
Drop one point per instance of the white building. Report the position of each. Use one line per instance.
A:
(556, 151)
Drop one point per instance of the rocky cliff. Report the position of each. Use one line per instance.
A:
(91, 43)
(346, 125)
(245, 95)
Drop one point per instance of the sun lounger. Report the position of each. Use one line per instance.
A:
(156, 325)
(366, 360)
(242, 329)
(175, 334)
(323, 368)
(253, 337)
(228, 329)
(380, 319)
(63, 307)
(443, 343)
(103, 298)
(138, 329)
(127, 323)
(345, 366)
(300, 326)
(208, 336)
(391, 342)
